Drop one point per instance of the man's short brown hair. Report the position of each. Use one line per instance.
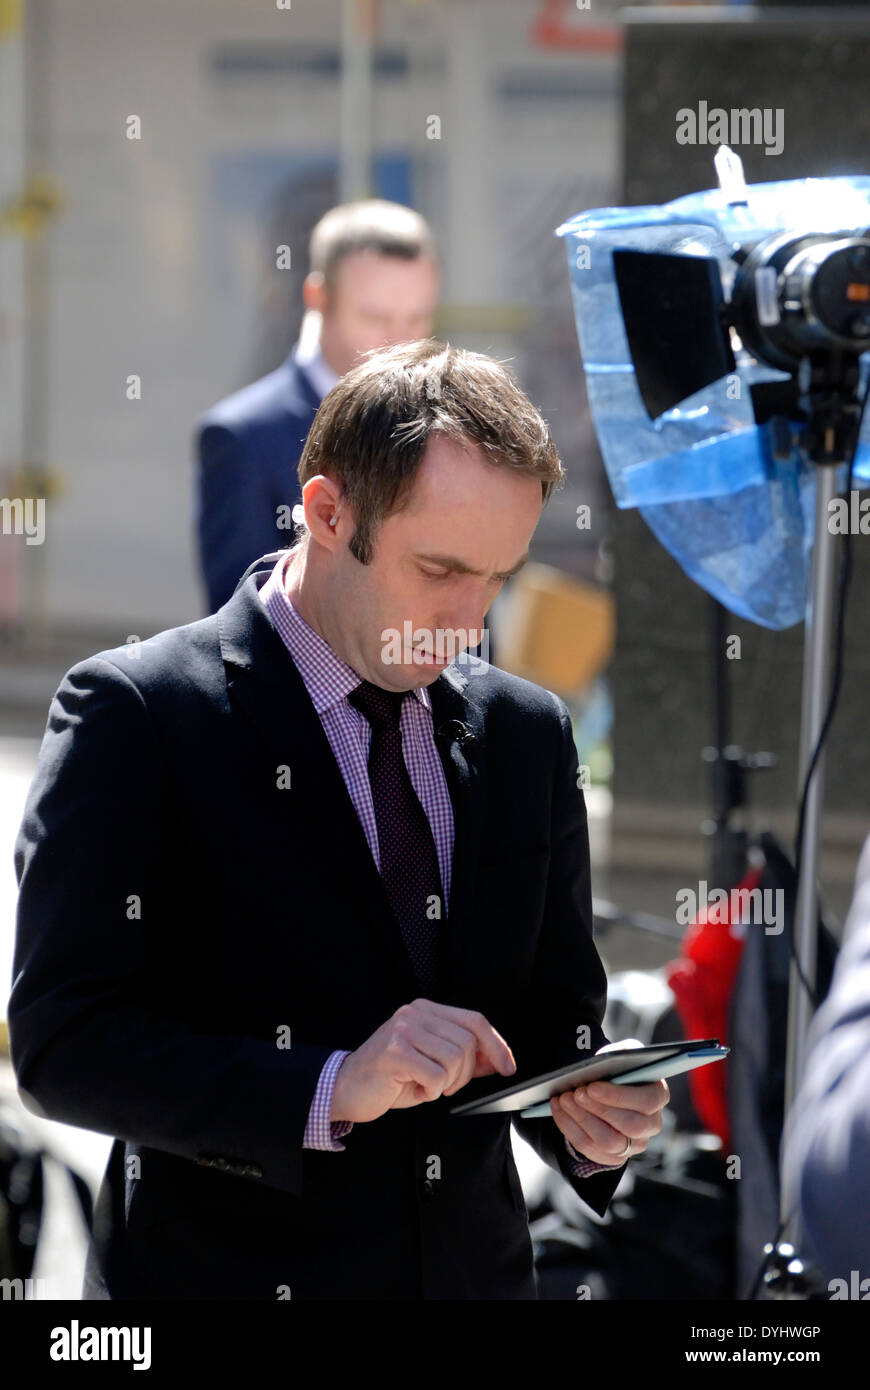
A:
(371, 430)
(368, 224)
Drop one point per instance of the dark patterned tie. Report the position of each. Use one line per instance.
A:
(409, 860)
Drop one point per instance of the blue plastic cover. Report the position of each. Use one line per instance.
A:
(739, 521)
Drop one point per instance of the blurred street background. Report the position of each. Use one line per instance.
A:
(154, 258)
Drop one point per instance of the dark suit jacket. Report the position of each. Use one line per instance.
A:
(248, 449)
(826, 1140)
(178, 909)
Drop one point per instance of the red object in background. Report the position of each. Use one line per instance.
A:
(559, 25)
(702, 980)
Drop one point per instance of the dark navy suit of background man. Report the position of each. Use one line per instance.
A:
(248, 448)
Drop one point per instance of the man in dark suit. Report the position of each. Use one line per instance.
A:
(291, 878)
(374, 280)
(826, 1139)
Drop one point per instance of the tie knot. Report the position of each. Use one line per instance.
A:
(382, 708)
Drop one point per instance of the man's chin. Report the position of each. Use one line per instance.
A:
(433, 661)
(427, 667)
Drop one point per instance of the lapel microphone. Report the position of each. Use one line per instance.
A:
(455, 731)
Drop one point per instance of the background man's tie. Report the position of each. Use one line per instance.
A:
(409, 860)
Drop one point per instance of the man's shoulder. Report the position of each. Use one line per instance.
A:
(188, 655)
(270, 402)
(189, 659)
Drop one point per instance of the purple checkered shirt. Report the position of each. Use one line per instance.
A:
(329, 681)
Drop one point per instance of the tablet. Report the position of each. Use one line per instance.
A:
(626, 1066)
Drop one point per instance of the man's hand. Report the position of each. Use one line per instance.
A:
(424, 1051)
(599, 1117)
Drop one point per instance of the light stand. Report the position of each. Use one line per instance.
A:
(835, 423)
(816, 685)
(786, 1274)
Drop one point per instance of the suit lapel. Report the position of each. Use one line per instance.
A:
(464, 769)
(305, 385)
(264, 682)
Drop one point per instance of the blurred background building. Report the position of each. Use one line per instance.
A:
(159, 258)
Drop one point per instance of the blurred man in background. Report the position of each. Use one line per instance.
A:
(374, 280)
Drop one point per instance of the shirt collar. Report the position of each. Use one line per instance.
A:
(310, 358)
(328, 679)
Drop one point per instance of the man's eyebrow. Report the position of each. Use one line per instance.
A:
(452, 562)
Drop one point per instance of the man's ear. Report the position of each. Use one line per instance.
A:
(314, 291)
